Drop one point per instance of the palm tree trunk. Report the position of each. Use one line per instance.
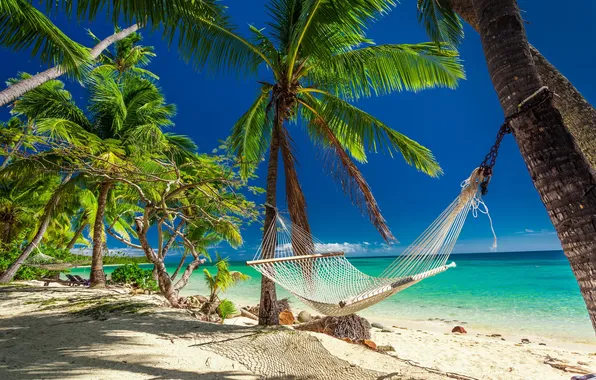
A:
(559, 170)
(578, 115)
(268, 313)
(18, 89)
(9, 274)
(98, 277)
(77, 234)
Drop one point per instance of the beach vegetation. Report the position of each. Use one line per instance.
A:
(223, 279)
(226, 308)
(111, 168)
(134, 275)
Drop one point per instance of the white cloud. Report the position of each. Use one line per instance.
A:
(529, 231)
(113, 251)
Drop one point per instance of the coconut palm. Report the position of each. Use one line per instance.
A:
(578, 114)
(320, 60)
(559, 170)
(203, 34)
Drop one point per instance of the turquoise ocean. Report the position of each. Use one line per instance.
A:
(532, 293)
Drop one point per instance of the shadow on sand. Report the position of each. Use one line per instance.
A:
(62, 333)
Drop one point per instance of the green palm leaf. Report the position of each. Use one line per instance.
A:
(383, 69)
(359, 128)
(251, 134)
(441, 22)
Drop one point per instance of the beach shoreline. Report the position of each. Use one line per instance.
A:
(42, 321)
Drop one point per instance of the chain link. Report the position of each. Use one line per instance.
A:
(491, 158)
(539, 97)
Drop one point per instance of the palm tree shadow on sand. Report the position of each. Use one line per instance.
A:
(58, 333)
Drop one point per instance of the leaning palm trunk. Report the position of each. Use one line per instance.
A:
(76, 235)
(9, 274)
(16, 90)
(98, 277)
(578, 115)
(268, 313)
(559, 170)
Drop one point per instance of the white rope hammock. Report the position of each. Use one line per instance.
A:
(330, 284)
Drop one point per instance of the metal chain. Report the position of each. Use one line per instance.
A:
(491, 158)
(539, 97)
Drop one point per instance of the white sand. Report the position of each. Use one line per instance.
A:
(49, 333)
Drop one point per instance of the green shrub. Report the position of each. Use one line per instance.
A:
(226, 308)
(134, 275)
(9, 255)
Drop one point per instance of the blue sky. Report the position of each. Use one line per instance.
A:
(458, 126)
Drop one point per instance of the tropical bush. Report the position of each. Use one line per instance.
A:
(223, 279)
(226, 308)
(134, 275)
(10, 254)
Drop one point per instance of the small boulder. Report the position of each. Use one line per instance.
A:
(386, 330)
(378, 325)
(370, 344)
(385, 349)
(542, 344)
(459, 330)
(525, 341)
(495, 335)
(286, 318)
(304, 316)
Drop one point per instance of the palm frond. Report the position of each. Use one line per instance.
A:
(358, 127)
(327, 27)
(349, 176)
(49, 100)
(383, 69)
(251, 135)
(23, 27)
(441, 22)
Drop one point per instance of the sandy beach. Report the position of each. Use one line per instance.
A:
(75, 333)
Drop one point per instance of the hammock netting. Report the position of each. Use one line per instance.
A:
(325, 279)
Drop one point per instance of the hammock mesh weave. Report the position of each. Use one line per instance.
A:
(324, 279)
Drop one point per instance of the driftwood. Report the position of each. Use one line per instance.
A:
(248, 314)
(565, 366)
(351, 326)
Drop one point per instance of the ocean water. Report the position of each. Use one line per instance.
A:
(531, 293)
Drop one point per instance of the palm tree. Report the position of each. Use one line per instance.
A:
(133, 111)
(46, 218)
(320, 59)
(127, 111)
(202, 32)
(560, 172)
(221, 281)
(578, 115)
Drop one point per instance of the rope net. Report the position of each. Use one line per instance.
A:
(326, 280)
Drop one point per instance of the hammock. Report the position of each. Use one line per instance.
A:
(325, 280)
(43, 261)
